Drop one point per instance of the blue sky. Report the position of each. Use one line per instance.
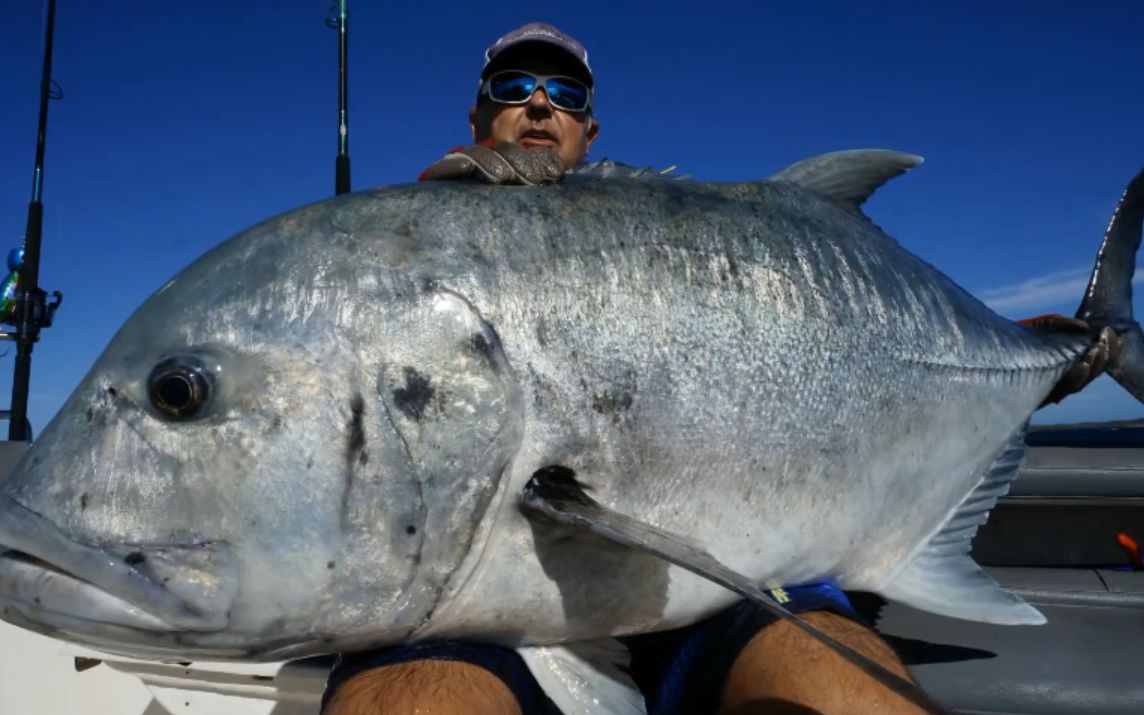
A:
(182, 123)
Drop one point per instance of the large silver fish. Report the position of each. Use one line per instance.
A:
(316, 437)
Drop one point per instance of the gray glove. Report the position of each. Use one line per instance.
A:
(503, 163)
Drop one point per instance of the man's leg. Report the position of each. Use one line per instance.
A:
(782, 670)
(743, 660)
(424, 687)
(440, 678)
(739, 662)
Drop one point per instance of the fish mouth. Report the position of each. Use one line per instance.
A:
(51, 581)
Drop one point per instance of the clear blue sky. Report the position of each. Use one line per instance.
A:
(182, 123)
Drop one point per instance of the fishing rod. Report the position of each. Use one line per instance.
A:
(32, 310)
(337, 19)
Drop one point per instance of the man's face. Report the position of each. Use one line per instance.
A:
(536, 123)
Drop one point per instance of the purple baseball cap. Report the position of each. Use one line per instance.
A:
(540, 32)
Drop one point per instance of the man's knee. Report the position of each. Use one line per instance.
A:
(425, 687)
(783, 670)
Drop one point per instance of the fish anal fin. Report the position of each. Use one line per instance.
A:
(943, 578)
(848, 176)
(585, 678)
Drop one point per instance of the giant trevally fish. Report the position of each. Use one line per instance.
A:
(316, 437)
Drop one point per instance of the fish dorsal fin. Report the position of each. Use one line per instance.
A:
(943, 578)
(848, 176)
(609, 169)
(586, 677)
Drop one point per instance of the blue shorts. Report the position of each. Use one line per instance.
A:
(679, 671)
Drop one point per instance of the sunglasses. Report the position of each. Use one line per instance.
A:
(517, 87)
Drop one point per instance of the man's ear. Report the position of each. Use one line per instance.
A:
(593, 131)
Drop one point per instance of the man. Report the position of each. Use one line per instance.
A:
(536, 92)
(533, 120)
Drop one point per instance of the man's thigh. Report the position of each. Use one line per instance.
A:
(684, 671)
(424, 687)
(783, 670)
(434, 679)
(739, 661)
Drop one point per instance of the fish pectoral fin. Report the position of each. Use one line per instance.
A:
(553, 495)
(586, 678)
(848, 176)
(943, 578)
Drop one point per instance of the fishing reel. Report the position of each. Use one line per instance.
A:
(43, 307)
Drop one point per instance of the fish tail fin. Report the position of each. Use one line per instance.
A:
(1108, 298)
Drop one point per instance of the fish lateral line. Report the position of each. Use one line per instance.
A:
(554, 495)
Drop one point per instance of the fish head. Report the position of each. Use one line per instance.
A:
(276, 455)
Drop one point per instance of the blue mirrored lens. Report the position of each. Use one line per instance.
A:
(567, 94)
(512, 87)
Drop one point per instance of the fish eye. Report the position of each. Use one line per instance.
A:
(179, 388)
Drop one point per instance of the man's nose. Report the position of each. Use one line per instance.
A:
(538, 103)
